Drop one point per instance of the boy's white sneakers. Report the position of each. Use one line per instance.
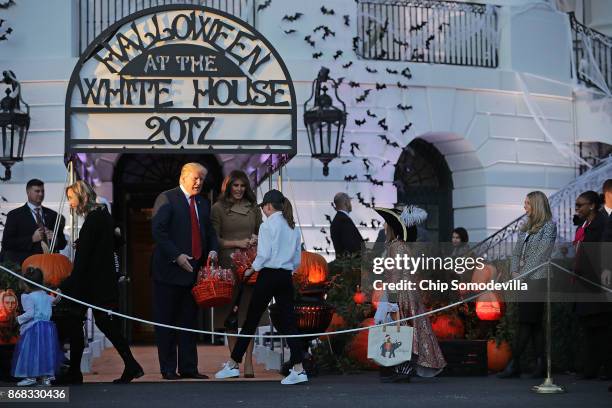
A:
(228, 371)
(27, 382)
(294, 378)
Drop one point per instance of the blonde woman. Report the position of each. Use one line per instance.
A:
(533, 249)
(94, 280)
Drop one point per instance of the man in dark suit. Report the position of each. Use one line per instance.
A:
(606, 275)
(30, 228)
(344, 234)
(184, 237)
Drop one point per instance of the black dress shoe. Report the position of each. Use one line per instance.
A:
(195, 375)
(170, 376)
(130, 372)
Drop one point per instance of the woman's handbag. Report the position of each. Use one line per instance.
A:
(390, 345)
(214, 286)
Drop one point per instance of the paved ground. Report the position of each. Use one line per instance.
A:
(354, 391)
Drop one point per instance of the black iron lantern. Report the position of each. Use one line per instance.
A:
(324, 122)
(14, 124)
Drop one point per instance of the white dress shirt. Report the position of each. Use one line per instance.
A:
(188, 197)
(608, 210)
(278, 246)
(33, 211)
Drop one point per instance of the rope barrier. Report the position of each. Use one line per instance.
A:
(270, 336)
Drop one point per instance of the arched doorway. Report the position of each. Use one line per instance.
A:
(422, 177)
(137, 180)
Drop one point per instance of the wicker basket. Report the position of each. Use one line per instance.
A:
(212, 289)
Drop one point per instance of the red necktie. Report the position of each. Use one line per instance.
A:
(196, 240)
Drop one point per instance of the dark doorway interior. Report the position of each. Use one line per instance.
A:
(422, 178)
(137, 180)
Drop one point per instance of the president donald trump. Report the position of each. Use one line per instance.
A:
(184, 237)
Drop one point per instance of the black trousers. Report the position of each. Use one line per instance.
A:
(174, 305)
(277, 284)
(597, 336)
(70, 328)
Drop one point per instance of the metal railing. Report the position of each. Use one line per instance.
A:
(97, 15)
(562, 203)
(438, 32)
(592, 54)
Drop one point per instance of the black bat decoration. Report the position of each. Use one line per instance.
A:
(328, 242)
(373, 180)
(290, 31)
(346, 161)
(391, 71)
(292, 18)
(380, 86)
(327, 12)
(382, 55)
(406, 128)
(353, 147)
(347, 20)
(355, 43)
(322, 230)
(401, 43)
(417, 54)
(429, 40)
(309, 40)
(386, 162)
(383, 124)
(338, 54)
(441, 26)
(371, 70)
(4, 199)
(317, 248)
(326, 31)
(406, 73)
(354, 84)
(363, 224)
(348, 64)
(340, 81)
(366, 163)
(401, 86)
(328, 218)
(360, 122)
(363, 96)
(350, 178)
(362, 201)
(7, 4)
(317, 55)
(264, 5)
(375, 223)
(388, 142)
(418, 26)
(326, 251)
(404, 107)
(370, 114)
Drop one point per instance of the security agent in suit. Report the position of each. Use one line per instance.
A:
(344, 234)
(184, 237)
(29, 227)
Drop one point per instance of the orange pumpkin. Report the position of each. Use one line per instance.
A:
(448, 327)
(55, 267)
(337, 323)
(358, 347)
(312, 270)
(489, 306)
(498, 356)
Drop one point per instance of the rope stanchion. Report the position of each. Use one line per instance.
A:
(270, 336)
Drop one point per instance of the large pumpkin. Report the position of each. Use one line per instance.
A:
(55, 267)
(498, 356)
(337, 323)
(312, 270)
(358, 347)
(448, 327)
(489, 306)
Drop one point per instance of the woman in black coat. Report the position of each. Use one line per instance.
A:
(94, 280)
(595, 316)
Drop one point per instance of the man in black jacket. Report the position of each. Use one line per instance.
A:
(344, 234)
(606, 276)
(184, 237)
(30, 227)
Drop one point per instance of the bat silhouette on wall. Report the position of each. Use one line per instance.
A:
(348, 64)
(340, 81)
(366, 163)
(327, 12)
(441, 26)
(371, 70)
(315, 248)
(363, 224)
(404, 107)
(363, 96)
(406, 128)
(350, 178)
(374, 181)
(317, 55)
(375, 223)
(326, 31)
(429, 40)
(309, 40)
(360, 122)
(418, 26)
(417, 54)
(380, 86)
(401, 43)
(386, 162)
(264, 5)
(354, 84)
(290, 31)
(322, 230)
(338, 54)
(401, 86)
(292, 18)
(370, 114)
(347, 20)
(387, 141)
(355, 43)
(353, 147)
(361, 200)
(328, 243)
(383, 124)
(391, 71)
(406, 73)
(382, 55)
(346, 161)
(328, 218)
